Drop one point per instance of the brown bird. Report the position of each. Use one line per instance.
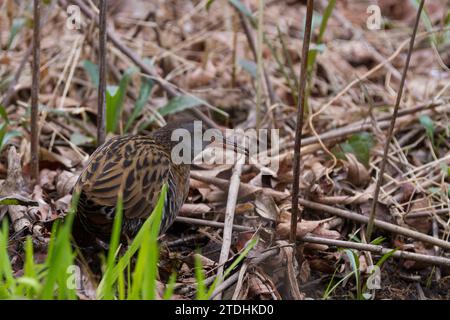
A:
(138, 166)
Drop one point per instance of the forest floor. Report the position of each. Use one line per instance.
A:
(204, 54)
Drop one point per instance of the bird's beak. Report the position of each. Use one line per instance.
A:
(233, 145)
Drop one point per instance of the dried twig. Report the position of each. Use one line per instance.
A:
(101, 107)
(251, 42)
(209, 223)
(300, 113)
(259, 63)
(378, 223)
(392, 126)
(34, 158)
(434, 260)
(229, 213)
(235, 276)
(244, 189)
(240, 281)
(291, 275)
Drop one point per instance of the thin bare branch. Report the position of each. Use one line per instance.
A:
(259, 63)
(251, 42)
(378, 223)
(34, 121)
(233, 193)
(209, 223)
(300, 113)
(433, 260)
(101, 107)
(392, 126)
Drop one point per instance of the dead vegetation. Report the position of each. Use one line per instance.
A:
(167, 59)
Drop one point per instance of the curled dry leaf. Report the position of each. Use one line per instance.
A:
(243, 208)
(419, 247)
(420, 223)
(305, 272)
(261, 286)
(292, 271)
(194, 209)
(357, 174)
(43, 212)
(205, 262)
(326, 266)
(382, 212)
(407, 190)
(47, 179)
(65, 181)
(316, 227)
(318, 169)
(63, 204)
(266, 206)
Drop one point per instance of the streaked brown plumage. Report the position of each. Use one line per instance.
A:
(139, 166)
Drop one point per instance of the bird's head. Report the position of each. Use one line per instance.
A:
(185, 140)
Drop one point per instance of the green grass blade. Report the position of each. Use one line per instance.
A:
(147, 85)
(7, 281)
(168, 293)
(238, 260)
(113, 248)
(29, 266)
(60, 257)
(135, 245)
(93, 72)
(115, 97)
(201, 293)
(17, 25)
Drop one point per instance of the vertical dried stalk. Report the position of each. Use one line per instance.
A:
(259, 57)
(251, 42)
(35, 93)
(391, 127)
(300, 113)
(101, 111)
(230, 209)
(235, 33)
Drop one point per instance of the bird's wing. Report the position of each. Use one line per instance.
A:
(133, 165)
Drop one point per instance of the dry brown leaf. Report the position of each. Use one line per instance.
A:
(266, 206)
(194, 209)
(63, 204)
(382, 212)
(357, 174)
(65, 181)
(303, 228)
(44, 211)
(243, 208)
(323, 265)
(423, 223)
(261, 286)
(47, 179)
